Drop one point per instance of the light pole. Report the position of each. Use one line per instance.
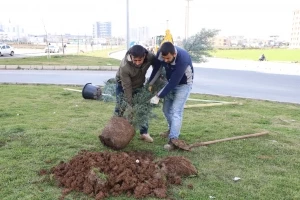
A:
(187, 19)
(127, 23)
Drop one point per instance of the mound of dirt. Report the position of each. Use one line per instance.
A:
(104, 174)
(117, 133)
(178, 166)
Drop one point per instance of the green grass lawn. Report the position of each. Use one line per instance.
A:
(41, 125)
(292, 55)
(93, 58)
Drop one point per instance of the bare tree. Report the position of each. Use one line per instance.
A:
(48, 55)
(62, 44)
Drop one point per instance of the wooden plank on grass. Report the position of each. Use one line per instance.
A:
(204, 100)
(212, 104)
(198, 144)
(69, 89)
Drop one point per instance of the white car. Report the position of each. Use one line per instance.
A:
(6, 50)
(52, 49)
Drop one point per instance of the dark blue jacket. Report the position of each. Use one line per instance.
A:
(180, 71)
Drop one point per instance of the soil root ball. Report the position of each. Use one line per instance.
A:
(117, 133)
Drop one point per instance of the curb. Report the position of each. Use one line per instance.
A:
(52, 67)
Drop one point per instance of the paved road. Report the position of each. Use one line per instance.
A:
(238, 83)
(276, 81)
(55, 76)
(248, 84)
(286, 68)
(248, 79)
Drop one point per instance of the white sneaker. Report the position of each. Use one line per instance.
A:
(169, 147)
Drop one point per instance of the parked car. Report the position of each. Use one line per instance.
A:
(52, 49)
(6, 50)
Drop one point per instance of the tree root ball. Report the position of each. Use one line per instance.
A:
(117, 133)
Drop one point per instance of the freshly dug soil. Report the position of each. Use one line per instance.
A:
(104, 174)
(117, 133)
(177, 166)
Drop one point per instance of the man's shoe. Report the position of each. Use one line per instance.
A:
(146, 137)
(170, 146)
(165, 134)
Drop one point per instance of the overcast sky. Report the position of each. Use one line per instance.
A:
(232, 17)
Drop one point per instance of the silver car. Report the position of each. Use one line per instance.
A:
(6, 50)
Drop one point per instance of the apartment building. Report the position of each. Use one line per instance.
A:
(295, 35)
(102, 30)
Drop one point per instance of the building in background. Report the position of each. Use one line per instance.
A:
(143, 34)
(221, 42)
(10, 31)
(140, 35)
(102, 30)
(295, 34)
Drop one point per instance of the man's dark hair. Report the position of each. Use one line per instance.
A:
(137, 51)
(166, 48)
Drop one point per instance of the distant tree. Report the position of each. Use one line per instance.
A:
(200, 44)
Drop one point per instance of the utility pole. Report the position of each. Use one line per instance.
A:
(127, 23)
(187, 21)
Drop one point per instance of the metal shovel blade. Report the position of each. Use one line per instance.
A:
(181, 144)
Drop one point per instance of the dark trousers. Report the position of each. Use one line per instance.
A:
(121, 105)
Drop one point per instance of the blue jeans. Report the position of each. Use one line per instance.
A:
(173, 108)
(121, 105)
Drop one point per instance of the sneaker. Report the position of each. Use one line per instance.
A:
(169, 147)
(165, 134)
(146, 137)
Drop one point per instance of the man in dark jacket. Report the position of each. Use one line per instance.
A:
(179, 74)
(130, 78)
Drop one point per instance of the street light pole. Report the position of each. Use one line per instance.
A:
(187, 15)
(127, 23)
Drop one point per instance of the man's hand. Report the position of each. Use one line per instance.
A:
(154, 100)
(150, 88)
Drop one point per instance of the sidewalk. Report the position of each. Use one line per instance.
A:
(52, 67)
(249, 65)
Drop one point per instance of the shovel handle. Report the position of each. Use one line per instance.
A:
(228, 139)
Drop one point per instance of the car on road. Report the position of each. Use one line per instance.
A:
(6, 50)
(52, 49)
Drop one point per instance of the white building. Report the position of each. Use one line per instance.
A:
(11, 32)
(139, 34)
(295, 35)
